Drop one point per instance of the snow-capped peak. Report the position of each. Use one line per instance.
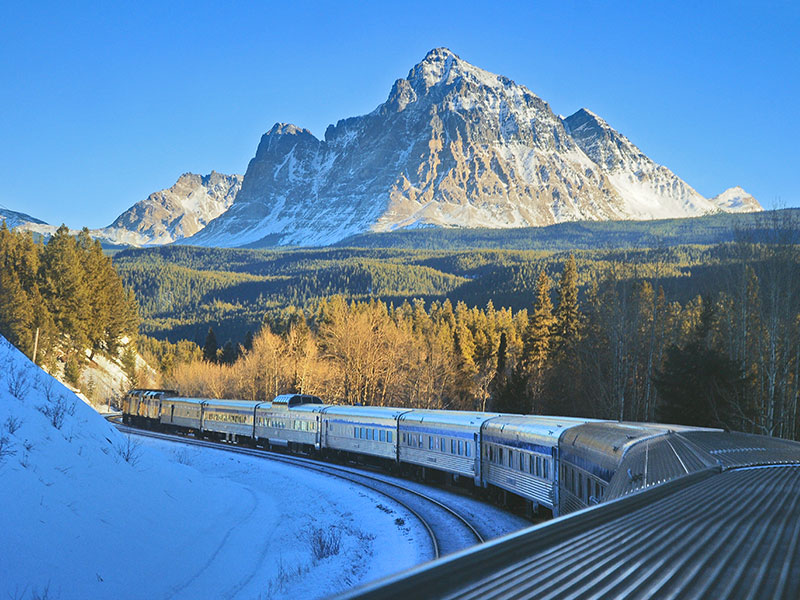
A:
(453, 145)
(735, 199)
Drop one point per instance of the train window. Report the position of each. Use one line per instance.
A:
(430, 442)
(419, 444)
(404, 438)
(452, 446)
(467, 447)
(382, 435)
(491, 454)
(355, 432)
(510, 458)
(442, 446)
(460, 447)
(545, 467)
(389, 436)
(522, 459)
(499, 456)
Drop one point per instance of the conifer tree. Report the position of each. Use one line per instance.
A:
(567, 313)
(210, 346)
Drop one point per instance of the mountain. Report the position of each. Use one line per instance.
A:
(454, 146)
(649, 190)
(735, 199)
(172, 214)
(16, 219)
(161, 218)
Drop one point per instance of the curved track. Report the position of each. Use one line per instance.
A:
(448, 530)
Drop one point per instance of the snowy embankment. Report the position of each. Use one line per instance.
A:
(88, 512)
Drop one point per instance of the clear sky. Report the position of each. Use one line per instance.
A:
(103, 103)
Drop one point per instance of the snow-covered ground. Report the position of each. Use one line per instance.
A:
(87, 512)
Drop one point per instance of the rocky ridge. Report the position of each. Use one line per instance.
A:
(455, 146)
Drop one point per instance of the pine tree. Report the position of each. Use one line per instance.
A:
(210, 346)
(228, 355)
(698, 384)
(567, 313)
(538, 335)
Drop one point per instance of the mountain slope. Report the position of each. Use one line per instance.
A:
(453, 145)
(174, 213)
(650, 190)
(14, 219)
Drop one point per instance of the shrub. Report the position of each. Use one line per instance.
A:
(325, 542)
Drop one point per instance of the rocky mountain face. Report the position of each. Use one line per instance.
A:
(453, 145)
(163, 217)
(175, 213)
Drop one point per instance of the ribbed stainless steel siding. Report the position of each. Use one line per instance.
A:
(442, 461)
(360, 445)
(520, 482)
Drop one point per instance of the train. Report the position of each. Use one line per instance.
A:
(559, 464)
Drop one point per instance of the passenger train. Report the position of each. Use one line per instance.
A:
(560, 463)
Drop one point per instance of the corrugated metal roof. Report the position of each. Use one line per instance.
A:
(728, 531)
(447, 417)
(654, 461)
(531, 426)
(734, 449)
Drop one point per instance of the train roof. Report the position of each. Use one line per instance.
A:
(533, 425)
(246, 404)
(605, 443)
(295, 399)
(381, 412)
(304, 408)
(448, 417)
(706, 536)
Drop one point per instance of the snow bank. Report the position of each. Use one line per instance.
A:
(88, 512)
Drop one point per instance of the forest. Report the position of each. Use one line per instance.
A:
(703, 334)
(62, 300)
(694, 335)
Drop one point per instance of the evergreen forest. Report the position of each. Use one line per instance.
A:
(693, 334)
(63, 301)
(656, 330)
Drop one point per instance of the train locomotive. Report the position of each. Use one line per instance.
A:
(562, 464)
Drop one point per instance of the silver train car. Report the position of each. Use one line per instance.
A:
(562, 464)
(444, 440)
(291, 421)
(182, 414)
(363, 430)
(520, 454)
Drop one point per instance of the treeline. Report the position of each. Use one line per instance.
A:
(625, 348)
(61, 299)
(183, 290)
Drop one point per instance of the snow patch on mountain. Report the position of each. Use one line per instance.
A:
(735, 199)
(15, 219)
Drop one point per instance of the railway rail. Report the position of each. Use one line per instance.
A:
(448, 530)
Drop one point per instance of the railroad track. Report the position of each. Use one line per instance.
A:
(448, 530)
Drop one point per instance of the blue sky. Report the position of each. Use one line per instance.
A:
(103, 103)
